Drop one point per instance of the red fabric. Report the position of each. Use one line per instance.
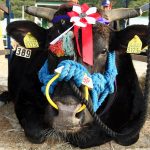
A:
(87, 37)
(76, 29)
(87, 44)
(57, 49)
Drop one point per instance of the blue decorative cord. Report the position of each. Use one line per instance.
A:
(102, 84)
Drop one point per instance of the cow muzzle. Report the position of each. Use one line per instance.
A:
(55, 105)
(68, 117)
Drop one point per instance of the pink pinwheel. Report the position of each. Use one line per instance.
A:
(83, 15)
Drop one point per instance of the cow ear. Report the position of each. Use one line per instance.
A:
(125, 36)
(19, 29)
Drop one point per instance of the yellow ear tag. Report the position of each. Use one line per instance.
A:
(30, 41)
(135, 45)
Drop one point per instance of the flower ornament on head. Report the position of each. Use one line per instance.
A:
(83, 15)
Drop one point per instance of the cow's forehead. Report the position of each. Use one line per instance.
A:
(63, 10)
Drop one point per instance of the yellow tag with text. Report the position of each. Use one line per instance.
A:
(30, 41)
(135, 45)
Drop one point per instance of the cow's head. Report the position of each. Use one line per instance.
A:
(105, 39)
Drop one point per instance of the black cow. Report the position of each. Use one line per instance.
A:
(123, 111)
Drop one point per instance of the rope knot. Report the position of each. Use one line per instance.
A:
(72, 70)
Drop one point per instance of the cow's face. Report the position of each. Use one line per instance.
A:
(67, 117)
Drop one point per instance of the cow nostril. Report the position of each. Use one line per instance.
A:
(55, 112)
(79, 115)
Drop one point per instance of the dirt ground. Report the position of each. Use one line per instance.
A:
(12, 136)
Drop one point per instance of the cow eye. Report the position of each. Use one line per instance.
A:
(104, 50)
(62, 21)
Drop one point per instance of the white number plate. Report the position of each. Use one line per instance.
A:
(23, 52)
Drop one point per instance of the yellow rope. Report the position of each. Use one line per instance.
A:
(86, 93)
(47, 91)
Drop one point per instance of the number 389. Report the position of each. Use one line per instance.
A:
(22, 52)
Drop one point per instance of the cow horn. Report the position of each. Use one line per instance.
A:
(125, 13)
(122, 13)
(41, 12)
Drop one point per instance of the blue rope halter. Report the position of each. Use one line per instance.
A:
(102, 84)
